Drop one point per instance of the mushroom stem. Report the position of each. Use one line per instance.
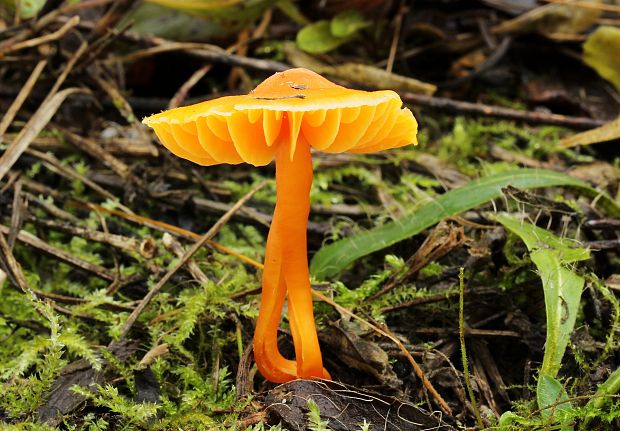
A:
(286, 267)
(270, 362)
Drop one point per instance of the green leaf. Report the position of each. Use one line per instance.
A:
(535, 238)
(601, 53)
(348, 23)
(324, 36)
(333, 258)
(507, 419)
(29, 8)
(317, 38)
(549, 392)
(562, 287)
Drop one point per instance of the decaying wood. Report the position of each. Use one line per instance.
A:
(62, 400)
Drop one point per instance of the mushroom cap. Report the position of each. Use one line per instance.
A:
(288, 106)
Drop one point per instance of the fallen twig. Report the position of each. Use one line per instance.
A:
(56, 166)
(203, 240)
(175, 230)
(35, 242)
(21, 97)
(500, 111)
(174, 246)
(124, 243)
(18, 278)
(32, 128)
(441, 241)
(68, 25)
(95, 150)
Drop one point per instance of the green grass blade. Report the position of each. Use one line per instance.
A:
(333, 258)
(606, 390)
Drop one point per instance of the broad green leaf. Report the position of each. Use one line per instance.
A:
(601, 53)
(333, 258)
(347, 23)
(317, 38)
(550, 392)
(562, 287)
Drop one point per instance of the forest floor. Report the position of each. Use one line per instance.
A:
(469, 282)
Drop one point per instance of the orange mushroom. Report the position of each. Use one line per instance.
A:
(283, 118)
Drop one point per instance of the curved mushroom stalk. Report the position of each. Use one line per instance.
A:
(286, 269)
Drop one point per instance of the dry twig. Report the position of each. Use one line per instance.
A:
(32, 128)
(21, 97)
(207, 236)
(37, 243)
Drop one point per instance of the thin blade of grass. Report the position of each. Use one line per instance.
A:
(333, 258)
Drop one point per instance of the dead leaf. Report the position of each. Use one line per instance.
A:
(599, 174)
(368, 75)
(606, 132)
(62, 400)
(469, 62)
(557, 21)
(153, 354)
(345, 408)
(360, 354)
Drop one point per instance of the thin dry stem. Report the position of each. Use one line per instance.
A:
(203, 240)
